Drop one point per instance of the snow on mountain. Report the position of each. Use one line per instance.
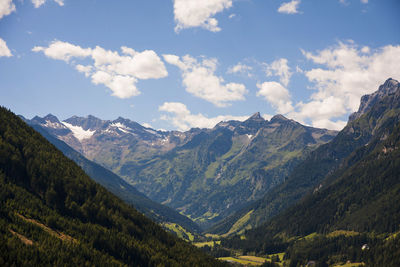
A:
(121, 127)
(78, 131)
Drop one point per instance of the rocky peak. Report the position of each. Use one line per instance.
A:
(278, 119)
(51, 118)
(390, 87)
(87, 123)
(38, 120)
(251, 125)
(256, 117)
(128, 123)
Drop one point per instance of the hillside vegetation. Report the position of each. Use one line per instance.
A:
(52, 213)
(355, 207)
(314, 171)
(118, 186)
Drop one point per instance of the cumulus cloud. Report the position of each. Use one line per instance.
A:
(346, 73)
(200, 80)
(6, 7)
(4, 51)
(38, 3)
(241, 68)
(289, 7)
(118, 72)
(277, 95)
(63, 51)
(281, 69)
(183, 119)
(194, 13)
(59, 2)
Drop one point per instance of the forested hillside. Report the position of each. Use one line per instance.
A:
(112, 182)
(377, 123)
(333, 224)
(356, 204)
(52, 213)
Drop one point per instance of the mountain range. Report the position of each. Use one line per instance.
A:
(369, 122)
(266, 188)
(112, 182)
(341, 203)
(205, 174)
(53, 213)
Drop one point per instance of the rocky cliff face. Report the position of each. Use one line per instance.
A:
(390, 87)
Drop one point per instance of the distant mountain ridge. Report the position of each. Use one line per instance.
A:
(206, 174)
(112, 182)
(377, 114)
(53, 214)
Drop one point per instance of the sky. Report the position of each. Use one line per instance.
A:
(178, 64)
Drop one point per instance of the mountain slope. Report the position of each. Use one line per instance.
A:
(333, 224)
(357, 203)
(112, 182)
(206, 174)
(52, 213)
(310, 173)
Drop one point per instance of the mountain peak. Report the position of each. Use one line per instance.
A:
(389, 87)
(390, 83)
(50, 117)
(87, 123)
(256, 116)
(279, 118)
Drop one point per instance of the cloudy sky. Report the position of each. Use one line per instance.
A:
(177, 64)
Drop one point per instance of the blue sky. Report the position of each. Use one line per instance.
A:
(187, 63)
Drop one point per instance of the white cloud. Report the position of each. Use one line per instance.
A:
(231, 16)
(120, 73)
(63, 51)
(4, 51)
(6, 7)
(194, 13)
(347, 72)
(241, 68)
(87, 70)
(279, 68)
(200, 80)
(38, 3)
(289, 7)
(364, 1)
(277, 95)
(59, 2)
(183, 119)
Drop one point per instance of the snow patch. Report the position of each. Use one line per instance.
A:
(54, 125)
(249, 136)
(121, 127)
(78, 131)
(151, 131)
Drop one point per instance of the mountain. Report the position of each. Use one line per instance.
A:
(112, 182)
(355, 204)
(52, 213)
(309, 174)
(206, 174)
